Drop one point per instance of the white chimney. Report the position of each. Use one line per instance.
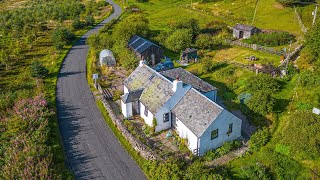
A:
(177, 85)
(141, 63)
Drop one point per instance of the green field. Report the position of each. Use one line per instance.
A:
(239, 11)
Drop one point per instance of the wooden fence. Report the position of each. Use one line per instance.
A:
(256, 47)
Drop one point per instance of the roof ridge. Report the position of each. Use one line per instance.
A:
(198, 78)
(216, 104)
(162, 76)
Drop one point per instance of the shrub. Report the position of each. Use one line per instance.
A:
(61, 37)
(207, 65)
(77, 24)
(89, 20)
(38, 70)
(291, 2)
(261, 102)
(206, 41)
(270, 39)
(259, 139)
(257, 171)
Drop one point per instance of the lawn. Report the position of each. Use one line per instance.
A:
(238, 54)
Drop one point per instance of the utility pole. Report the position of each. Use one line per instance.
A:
(314, 13)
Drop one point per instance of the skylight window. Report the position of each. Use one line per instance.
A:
(151, 77)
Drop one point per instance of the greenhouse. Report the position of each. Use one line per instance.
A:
(106, 58)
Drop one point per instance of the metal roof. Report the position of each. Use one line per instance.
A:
(140, 44)
(244, 27)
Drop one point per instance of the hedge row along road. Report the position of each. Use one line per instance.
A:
(92, 150)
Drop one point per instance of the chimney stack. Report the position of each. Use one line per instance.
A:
(177, 85)
(141, 63)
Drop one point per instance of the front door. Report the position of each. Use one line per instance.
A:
(240, 34)
(135, 108)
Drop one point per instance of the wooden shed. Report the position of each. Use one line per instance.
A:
(146, 50)
(244, 31)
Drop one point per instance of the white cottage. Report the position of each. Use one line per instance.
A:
(186, 104)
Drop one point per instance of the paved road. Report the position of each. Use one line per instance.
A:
(92, 151)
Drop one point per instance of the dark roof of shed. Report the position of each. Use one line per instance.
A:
(131, 96)
(156, 89)
(244, 27)
(188, 78)
(196, 111)
(140, 44)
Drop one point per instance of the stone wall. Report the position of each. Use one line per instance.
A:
(141, 148)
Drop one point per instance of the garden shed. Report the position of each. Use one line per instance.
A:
(146, 50)
(106, 58)
(244, 31)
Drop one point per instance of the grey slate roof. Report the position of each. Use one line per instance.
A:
(188, 78)
(131, 96)
(140, 44)
(244, 27)
(196, 111)
(156, 88)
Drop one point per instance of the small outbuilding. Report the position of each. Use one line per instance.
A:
(244, 31)
(188, 55)
(146, 50)
(106, 58)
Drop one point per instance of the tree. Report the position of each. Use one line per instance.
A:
(190, 24)
(38, 70)
(179, 40)
(134, 24)
(205, 41)
(261, 102)
(61, 37)
(262, 82)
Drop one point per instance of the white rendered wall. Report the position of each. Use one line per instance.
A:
(125, 90)
(185, 133)
(147, 119)
(126, 109)
(222, 123)
(168, 106)
(211, 95)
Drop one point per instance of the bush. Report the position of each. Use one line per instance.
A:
(291, 2)
(89, 20)
(207, 65)
(259, 139)
(179, 40)
(261, 102)
(38, 70)
(270, 39)
(256, 171)
(206, 41)
(77, 24)
(61, 37)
